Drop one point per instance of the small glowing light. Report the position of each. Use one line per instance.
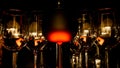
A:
(18, 42)
(59, 43)
(14, 32)
(36, 42)
(84, 38)
(58, 2)
(108, 27)
(36, 37)
(33, 33)
(16, 35)
(106, 30)
(40, 34)
(73, 59)
(103, 33)
(11, 29)
(77, 36)
(85, 32)
(97, 62)
(100, 40)
(42, 37)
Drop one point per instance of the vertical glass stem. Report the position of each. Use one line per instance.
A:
(86, 59)
(35, 59)
(41, 59)
(80, 60)
(14, 59)
(107, 58)
(56, 53)
(59, 65)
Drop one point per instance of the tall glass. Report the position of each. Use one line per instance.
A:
(35, 31)
(12, 19)
(107, 30)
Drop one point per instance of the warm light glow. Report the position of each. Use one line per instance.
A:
(42, 37)
(103, 33)
(76, 42)
(18, 42)
(100, 40)
(11, 29)
(58, 2)
(97, 62)
(33, 33)
(59, 43)
(59, 36)
(36, 37)
(36, 42)
(14, 32)
(107, 27)
(16, 35)
(84, 38)
(106, 30)
(85, 32)
(40, 34)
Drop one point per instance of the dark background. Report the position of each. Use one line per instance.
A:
(74, 7)
(51, 4)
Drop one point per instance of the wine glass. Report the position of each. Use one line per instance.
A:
(107, 30)
(13, 40)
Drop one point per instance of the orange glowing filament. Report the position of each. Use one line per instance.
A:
(59, 36)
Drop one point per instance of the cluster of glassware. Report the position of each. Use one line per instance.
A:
(87, 37)
(90, 35)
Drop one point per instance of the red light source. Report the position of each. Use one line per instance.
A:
(59, 36)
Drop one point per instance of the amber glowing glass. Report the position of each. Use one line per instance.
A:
(59, 36)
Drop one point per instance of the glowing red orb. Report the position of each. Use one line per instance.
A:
(59, 36)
